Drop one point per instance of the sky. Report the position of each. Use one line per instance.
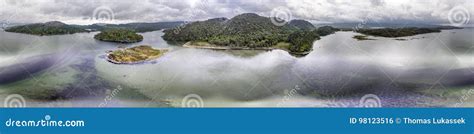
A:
(454, 12)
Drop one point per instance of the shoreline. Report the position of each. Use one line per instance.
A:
(207, 45)
(189, 44)
(149, 59)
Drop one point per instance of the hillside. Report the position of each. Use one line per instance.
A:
(302, 24)
(119, 35)
(247, 30)
(48, 28)
(138, 27)
(59, 28)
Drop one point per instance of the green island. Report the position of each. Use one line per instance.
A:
(398, 32)
(119, 35)
(60, 28)
(135, 54)
(362, 37)
(48, 28)
(249, 31)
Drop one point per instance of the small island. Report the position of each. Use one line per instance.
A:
(119, 35)
(362, 37)
(135, 54)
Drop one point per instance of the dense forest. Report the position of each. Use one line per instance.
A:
(249, 30)
(59, 28)
(119, 35)
(48, 28)
(138, 27)
(301, 25)
(399, 32)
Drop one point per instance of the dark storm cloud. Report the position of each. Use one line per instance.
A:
(81, 11)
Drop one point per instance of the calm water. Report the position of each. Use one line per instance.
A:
(429, 70)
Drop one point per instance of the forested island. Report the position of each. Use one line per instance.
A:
(119, 35)
(135, 54)
(399, 32)
(249, 31)
(48, 28)
(60, 28)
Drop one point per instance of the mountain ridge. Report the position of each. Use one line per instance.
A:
(60, 28)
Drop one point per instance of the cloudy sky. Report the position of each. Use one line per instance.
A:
(316, 11)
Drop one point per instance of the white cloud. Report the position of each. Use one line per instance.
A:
(80, 11)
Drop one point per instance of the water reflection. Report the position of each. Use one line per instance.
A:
(416, 72)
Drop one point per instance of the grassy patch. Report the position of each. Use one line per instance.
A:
(135, 54)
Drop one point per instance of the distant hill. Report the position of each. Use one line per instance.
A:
(326, 30)
(59, 28)
(361, 25)
(138, 27)
(48, 28)
(247, 30)
(391, 30)
(199, 30)
(399, 32)
(302, 24)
